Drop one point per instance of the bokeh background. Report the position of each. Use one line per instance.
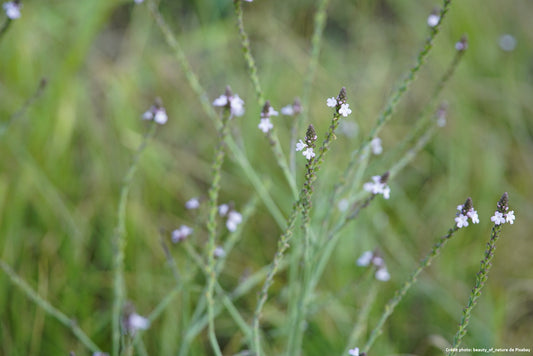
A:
(63, 160)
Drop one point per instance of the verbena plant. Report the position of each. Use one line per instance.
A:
(308, 238)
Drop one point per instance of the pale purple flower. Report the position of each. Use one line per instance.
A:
(509, 217)
(375, 146)
(376, 187)
(331, 102)
(138, 1)
(308, 153)
(181, 233)
(472, 214)
(265, 125)
(365, 258)
(461, 220)
(300, 145)
(498, 218)
(160, 116)
(354, 351)
(157, 113)
(345, 110)
(236, 104)
(136, 322)
(12, 10)
(223, 209)
(234, 219)
(219, 252)
(433, 20)
(192, 204)
(382, 274)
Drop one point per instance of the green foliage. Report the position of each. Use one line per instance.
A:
(66, 148)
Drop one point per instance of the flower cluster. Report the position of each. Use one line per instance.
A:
(466, 211)
(343, 107)
(369, 257)
(378, 185)
(12, 9)
(309, 143)
(156, 112)
(231, 101)
(181, 233)
(265, 125)
(502, 215)
(234, 218)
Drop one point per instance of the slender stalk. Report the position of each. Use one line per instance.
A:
(49, 308)
(119, 240)
(316, 45)
(398, 296)
(211, 229)
(252, 72)
(5, 26)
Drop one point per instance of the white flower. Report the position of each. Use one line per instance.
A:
(331, 102)
(308, 153)
(300, 145)
(472, 214)
(235, 102)
(223, 209)
(265, 125)
(509, 217)
(181, 233)
(192, 203)
(271, 112)
(156, 113)
(234, 219)
(382, 274)
(461, 45)
(376, 187)
(345, 110)
(139, 1)
(507, 43)
(498, 218)
(375, 146)
(354, 351)
(433, 20)
(12, 10)
(461, 220)
(160, 116)
(365, 258)
(460, 207)
(136, 322)
(287, 110)
(219, 252)
(99, 353)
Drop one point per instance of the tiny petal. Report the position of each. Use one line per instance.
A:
(375, 145)
(193, 203)
(498, 218)
(219, 252)
(160, 116)
(137, 322)
(223, 209)
(345, 110)
(331, 102)
(148, 115)
(308, 153)
(433, 20)
(287, 110)
(354, 351)
(221, 101)
(265, 125)
(365, 259)
(509, 217)
(300, 145)
(461, 220)
(382, 274)
(12, 10)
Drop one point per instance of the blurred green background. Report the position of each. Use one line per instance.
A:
(105, 61)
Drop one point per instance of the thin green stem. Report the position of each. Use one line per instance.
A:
(400, 293)
(119, 240)
(49, 308)
(211, 230)
(5, 26)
